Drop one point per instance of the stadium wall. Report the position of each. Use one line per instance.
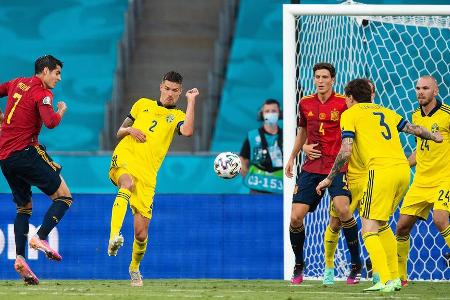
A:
(190, 236)
(179, 174)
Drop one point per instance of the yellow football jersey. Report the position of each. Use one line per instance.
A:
(374, 129)
(159, 124)
(433, 159)
(356, 169)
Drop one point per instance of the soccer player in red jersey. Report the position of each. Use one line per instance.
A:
(25, 163)
(319, 116)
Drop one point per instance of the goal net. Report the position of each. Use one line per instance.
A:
(391, 45)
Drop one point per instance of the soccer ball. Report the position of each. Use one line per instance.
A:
(227, 165)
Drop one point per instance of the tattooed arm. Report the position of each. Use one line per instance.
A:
(341, 159)
(126, 129)
(422, 132)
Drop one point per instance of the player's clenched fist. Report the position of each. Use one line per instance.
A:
(192, 93)
(62, 107)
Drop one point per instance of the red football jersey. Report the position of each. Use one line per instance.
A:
(29, 105)
(322, 122)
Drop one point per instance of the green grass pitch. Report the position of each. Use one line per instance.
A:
(210, 289)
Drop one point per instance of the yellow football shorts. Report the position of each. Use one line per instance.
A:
(141, 199)
(419, 200)
(356, 188)
(384, 190)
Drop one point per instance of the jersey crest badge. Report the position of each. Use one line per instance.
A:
(322, 116)
(434, 128)
(170, 118)
(46, 100)
(334, 115)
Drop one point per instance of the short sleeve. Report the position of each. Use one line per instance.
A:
(301, 115)
(399, 121)
(245, 150)
(135, 110)
(180, 121)
(347, 125)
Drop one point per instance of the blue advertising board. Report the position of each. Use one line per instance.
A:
(190, 236)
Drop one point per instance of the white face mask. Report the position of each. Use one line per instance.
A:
(271, 118)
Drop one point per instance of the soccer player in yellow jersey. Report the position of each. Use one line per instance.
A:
(356, 184)
(431, 184)
(145, 137)
(374, 131)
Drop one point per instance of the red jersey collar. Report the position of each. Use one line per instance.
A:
(37, 80)
(316, 96)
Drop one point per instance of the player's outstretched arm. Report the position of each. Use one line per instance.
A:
(126, 129)
(187, 129)
(300, 139)
(422, 132)
(341, 159)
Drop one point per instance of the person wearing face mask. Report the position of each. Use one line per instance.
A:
(261, 153)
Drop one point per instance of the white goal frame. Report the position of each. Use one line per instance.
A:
(290, 12)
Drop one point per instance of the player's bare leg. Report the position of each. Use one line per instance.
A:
(139, 247)
(440, 219)
(297, 236)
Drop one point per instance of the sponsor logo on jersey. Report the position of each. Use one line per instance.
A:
(46, 100)
(310, 114)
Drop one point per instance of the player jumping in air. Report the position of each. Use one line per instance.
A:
(25, 162)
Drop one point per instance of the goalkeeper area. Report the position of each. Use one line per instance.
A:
(207, 289)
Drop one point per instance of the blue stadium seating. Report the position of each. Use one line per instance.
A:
(84, 35)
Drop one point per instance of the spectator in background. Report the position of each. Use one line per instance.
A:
(262, 152)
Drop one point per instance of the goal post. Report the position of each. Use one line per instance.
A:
(393, 45)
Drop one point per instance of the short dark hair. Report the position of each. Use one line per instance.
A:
(48, 61)
(360, 90)
(272, 101)
(372, 85)
(173, 76)
(325, 66)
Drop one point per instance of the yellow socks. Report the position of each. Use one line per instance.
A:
(119, 210)
(331, 239)
(402, 256)
(377, 255)
(446, 235)
(138, 253)
(389, 243)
